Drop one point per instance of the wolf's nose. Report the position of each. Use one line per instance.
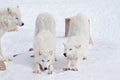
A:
(22, 24)
(65, 54)
(45, 68)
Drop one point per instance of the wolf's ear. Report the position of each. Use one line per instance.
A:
(40, 53)
(9, 10)
(78, 46)
(51, 52)
(17, 6)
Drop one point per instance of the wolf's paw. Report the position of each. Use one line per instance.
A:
(66, 68)
(70, 68)
(74, 69)
(6, 59)
(37, 71)
(50, 72)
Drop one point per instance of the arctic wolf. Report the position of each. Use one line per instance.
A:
(78, 40)
(44, 43)
(10, 18)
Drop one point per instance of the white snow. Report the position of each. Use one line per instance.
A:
(103, 62)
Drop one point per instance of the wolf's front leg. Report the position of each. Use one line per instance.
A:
(68, 67)
(37, 68)
(50, 70)
(2, 57)
(72, 65)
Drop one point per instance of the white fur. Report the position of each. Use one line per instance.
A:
(79, 24)
(8, 23)
(44, 43)
(78, 40)
(45, 21)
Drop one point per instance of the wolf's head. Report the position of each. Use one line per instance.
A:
(71, 51)
(46, 59)
(14, 17)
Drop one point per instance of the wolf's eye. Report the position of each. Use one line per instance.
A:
(65, 49)
(42, 60)
(16, 17)
(48, 60)
(70, 49)
(40, 53)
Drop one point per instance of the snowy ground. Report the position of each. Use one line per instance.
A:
(103, 61)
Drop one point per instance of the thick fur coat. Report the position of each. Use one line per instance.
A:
(44, 43)
(78, 41)
(10, 18)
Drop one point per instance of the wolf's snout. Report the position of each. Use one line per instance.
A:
(45, 68)
(22, 24)
(65, 54)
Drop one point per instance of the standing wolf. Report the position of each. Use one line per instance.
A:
(78, 41)
(44, 43)
(10, 18)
